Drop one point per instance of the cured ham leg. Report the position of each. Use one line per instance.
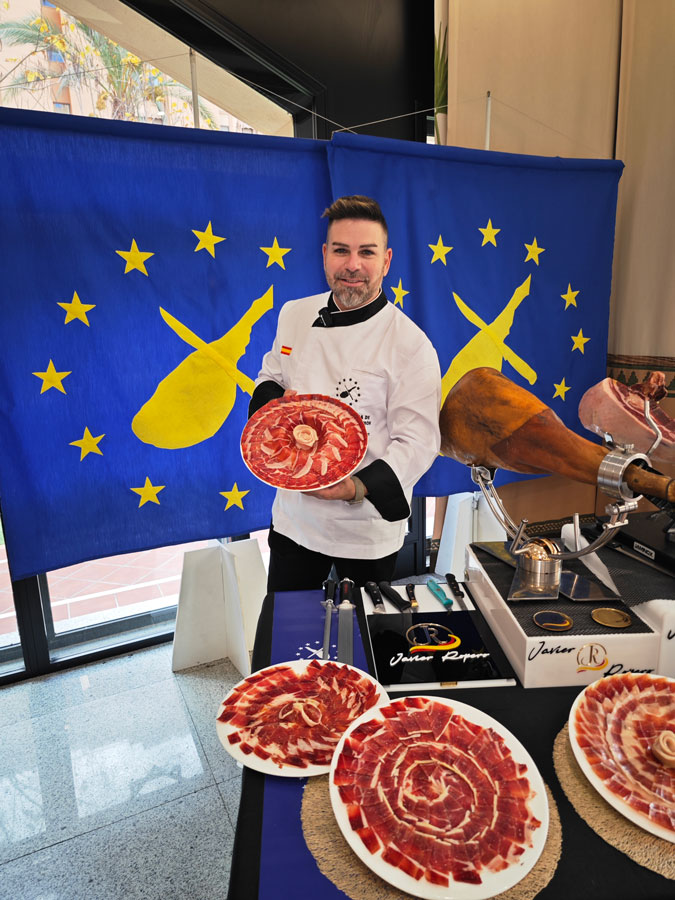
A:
(490, 421)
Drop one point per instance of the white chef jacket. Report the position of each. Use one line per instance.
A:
(386, 368)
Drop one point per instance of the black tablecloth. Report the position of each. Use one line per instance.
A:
(589, 867)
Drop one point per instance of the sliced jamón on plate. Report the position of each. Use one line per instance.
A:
(287, 719)
(439, 799)
(616, 726)
(304, 442)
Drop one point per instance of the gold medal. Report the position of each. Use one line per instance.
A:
(612, 618)
(552, 620)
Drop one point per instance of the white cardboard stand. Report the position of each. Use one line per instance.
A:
(468, 519)
(221, 592)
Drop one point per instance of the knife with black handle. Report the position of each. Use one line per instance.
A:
(401, 603)
(456, 591)
(375, 595)
(410, 591)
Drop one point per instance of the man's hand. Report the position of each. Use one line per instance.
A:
(343, 490)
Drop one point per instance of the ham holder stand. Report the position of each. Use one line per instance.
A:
(488, 422)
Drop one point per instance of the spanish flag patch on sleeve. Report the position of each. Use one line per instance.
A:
(286, 351)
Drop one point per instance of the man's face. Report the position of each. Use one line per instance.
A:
(355, 260)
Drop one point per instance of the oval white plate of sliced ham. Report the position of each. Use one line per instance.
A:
(304, 442)
(287, 719)
(616, 726)
(439, 799)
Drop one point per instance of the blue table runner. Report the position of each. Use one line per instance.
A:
(288, 871)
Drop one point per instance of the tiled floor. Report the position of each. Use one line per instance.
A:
(113, 783)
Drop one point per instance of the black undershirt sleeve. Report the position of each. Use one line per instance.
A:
(385, 491)
(262, 394)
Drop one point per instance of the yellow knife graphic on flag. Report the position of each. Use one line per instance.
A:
(183, 332)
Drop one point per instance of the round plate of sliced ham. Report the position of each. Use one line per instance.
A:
(304, 442)
(287, 719)
(622, 733)
(439, 799)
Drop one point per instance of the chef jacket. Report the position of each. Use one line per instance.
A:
(378, 361)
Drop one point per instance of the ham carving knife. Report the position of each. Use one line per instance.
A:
(329, 587)
(402, 604)
(456, 591)
(345, 650)
(373, 592)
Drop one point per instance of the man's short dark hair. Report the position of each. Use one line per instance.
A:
(356, 207)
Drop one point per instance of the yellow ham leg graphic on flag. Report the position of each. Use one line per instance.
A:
(195, 399)
(488, 348)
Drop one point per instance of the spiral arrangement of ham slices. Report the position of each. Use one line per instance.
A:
(617, 723)
(295, 718)
(439, 797)
(304, 442)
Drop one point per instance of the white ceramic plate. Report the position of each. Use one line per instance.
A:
(492, 882)
(299, 666)
(613, 799)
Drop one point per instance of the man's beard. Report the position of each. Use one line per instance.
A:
(351, 297)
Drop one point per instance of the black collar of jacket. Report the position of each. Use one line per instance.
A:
(332, 317)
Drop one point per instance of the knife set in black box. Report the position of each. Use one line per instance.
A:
(432, 650)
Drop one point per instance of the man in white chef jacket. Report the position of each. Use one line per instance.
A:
(353, 344)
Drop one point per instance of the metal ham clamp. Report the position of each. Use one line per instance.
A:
(375, 595)
(345, 651)
(402, 604)
(329, 587)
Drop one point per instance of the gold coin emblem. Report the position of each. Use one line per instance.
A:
(612, 618)
(552, 620)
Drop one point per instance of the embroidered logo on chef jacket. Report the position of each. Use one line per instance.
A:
(348, 391)
(286, 351)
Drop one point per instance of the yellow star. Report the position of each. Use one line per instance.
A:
(489, 234)
(88, 444)
(570, 297)
(207, 240)
(533, 251)
(276, 254)
(77, 310)
(579, 340)
(560, 389)
(440, 250)
(135, 258)
(51, 378)
(399, 294)
(148, 493)
(234, 497)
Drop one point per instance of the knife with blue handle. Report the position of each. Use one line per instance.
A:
(440, 594)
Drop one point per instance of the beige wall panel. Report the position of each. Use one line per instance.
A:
(550, 66)
(642, 321)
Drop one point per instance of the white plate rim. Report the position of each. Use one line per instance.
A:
(250, 760)
(322, 485)
(493, 882)
(614, 800)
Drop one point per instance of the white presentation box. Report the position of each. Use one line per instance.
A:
(560, 659)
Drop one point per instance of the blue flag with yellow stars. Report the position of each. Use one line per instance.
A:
(143, 269)
(503, 260)
(143, 272)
